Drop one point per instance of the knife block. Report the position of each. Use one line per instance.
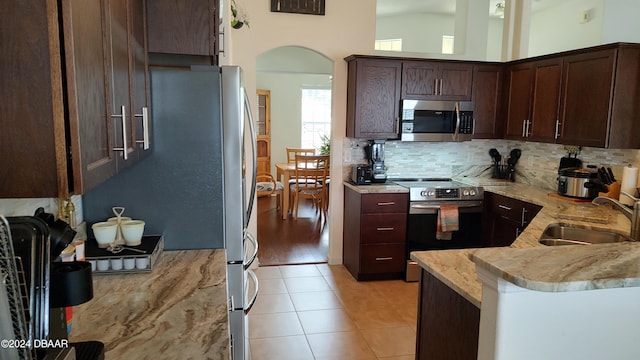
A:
(503, 172)
(613, 191)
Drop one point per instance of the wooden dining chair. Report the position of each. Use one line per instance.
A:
(292, 152)
(311, 176)
(266, 185)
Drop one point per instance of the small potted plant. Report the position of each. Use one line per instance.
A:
(238, 19)
(325, 147)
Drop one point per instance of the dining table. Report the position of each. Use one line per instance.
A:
(284, 173)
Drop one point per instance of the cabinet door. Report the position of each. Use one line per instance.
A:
(32, 123)
(419, 80)
(90, 127)
(436, 80)
(117, 17)
(373, 99)
(588, 79)
(487, 84)
(455, 81)
(502, 232)
(518, 100)
(545, 106)
(141, 114)
(263, 130)
(182, 26)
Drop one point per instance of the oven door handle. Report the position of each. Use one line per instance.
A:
(437, 207)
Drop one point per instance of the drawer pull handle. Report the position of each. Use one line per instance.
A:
(504, 207)
(384, 258)
(385, 229)
(386, 203)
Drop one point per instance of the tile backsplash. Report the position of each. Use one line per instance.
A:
(27, 207)
(537, 166)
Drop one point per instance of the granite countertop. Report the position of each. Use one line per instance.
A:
(387, 187)
(558, 268)
(178, 311)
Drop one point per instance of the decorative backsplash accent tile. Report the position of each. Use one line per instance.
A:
(537, 166)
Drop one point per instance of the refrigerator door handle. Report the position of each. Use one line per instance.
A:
(247, 262)
(254, 278)
(254, 153)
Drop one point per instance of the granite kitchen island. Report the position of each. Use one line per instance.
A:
(527, 263)
(178, 311)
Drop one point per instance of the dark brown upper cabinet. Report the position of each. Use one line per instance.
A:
(373, 97)
(186, 27)
(486, 96)
(436, 80)
(534, 100)
(57, 102)
(601, 98)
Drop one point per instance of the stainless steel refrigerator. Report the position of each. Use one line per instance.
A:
(194, 187)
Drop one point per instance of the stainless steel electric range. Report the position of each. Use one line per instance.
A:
(426, 195)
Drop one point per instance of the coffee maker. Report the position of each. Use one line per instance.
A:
(375, 156)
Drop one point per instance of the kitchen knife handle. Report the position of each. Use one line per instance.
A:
(613, 178)
(124, 133)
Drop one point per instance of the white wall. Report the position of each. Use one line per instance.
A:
(347, 28)
(285, 108)
(517, 323)
(421, 35)
(558, 28)
(420, 32)
(620, 21)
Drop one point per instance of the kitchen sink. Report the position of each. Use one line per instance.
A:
(560, 234)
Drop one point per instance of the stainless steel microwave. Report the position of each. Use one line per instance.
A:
(424, 120)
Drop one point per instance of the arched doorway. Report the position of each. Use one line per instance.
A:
(299, 83)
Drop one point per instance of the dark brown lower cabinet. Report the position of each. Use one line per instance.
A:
(448, 324)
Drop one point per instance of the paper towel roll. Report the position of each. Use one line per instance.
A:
(629, 182)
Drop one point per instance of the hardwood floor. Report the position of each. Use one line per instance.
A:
(302, 241)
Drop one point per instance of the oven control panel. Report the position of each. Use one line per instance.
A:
(458, 193)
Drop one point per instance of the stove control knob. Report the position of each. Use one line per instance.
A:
(472, 192)
(431, 193)
(466, 192)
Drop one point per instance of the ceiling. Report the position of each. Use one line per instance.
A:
(398, 7)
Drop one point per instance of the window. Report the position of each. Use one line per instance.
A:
(389, 45)
(316, 116)
(447, 44)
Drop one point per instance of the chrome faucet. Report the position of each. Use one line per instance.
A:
(632, 215)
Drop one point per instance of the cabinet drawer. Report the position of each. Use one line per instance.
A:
(385, 203)
(515, 210)
(387, 258)
(506, 207)
(383, 228)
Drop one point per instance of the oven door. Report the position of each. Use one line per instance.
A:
(422, 225)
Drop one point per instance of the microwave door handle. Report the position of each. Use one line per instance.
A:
(457, 109)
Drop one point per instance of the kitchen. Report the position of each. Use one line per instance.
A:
(540, 159)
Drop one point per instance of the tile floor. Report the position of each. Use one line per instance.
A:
(322, 312)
